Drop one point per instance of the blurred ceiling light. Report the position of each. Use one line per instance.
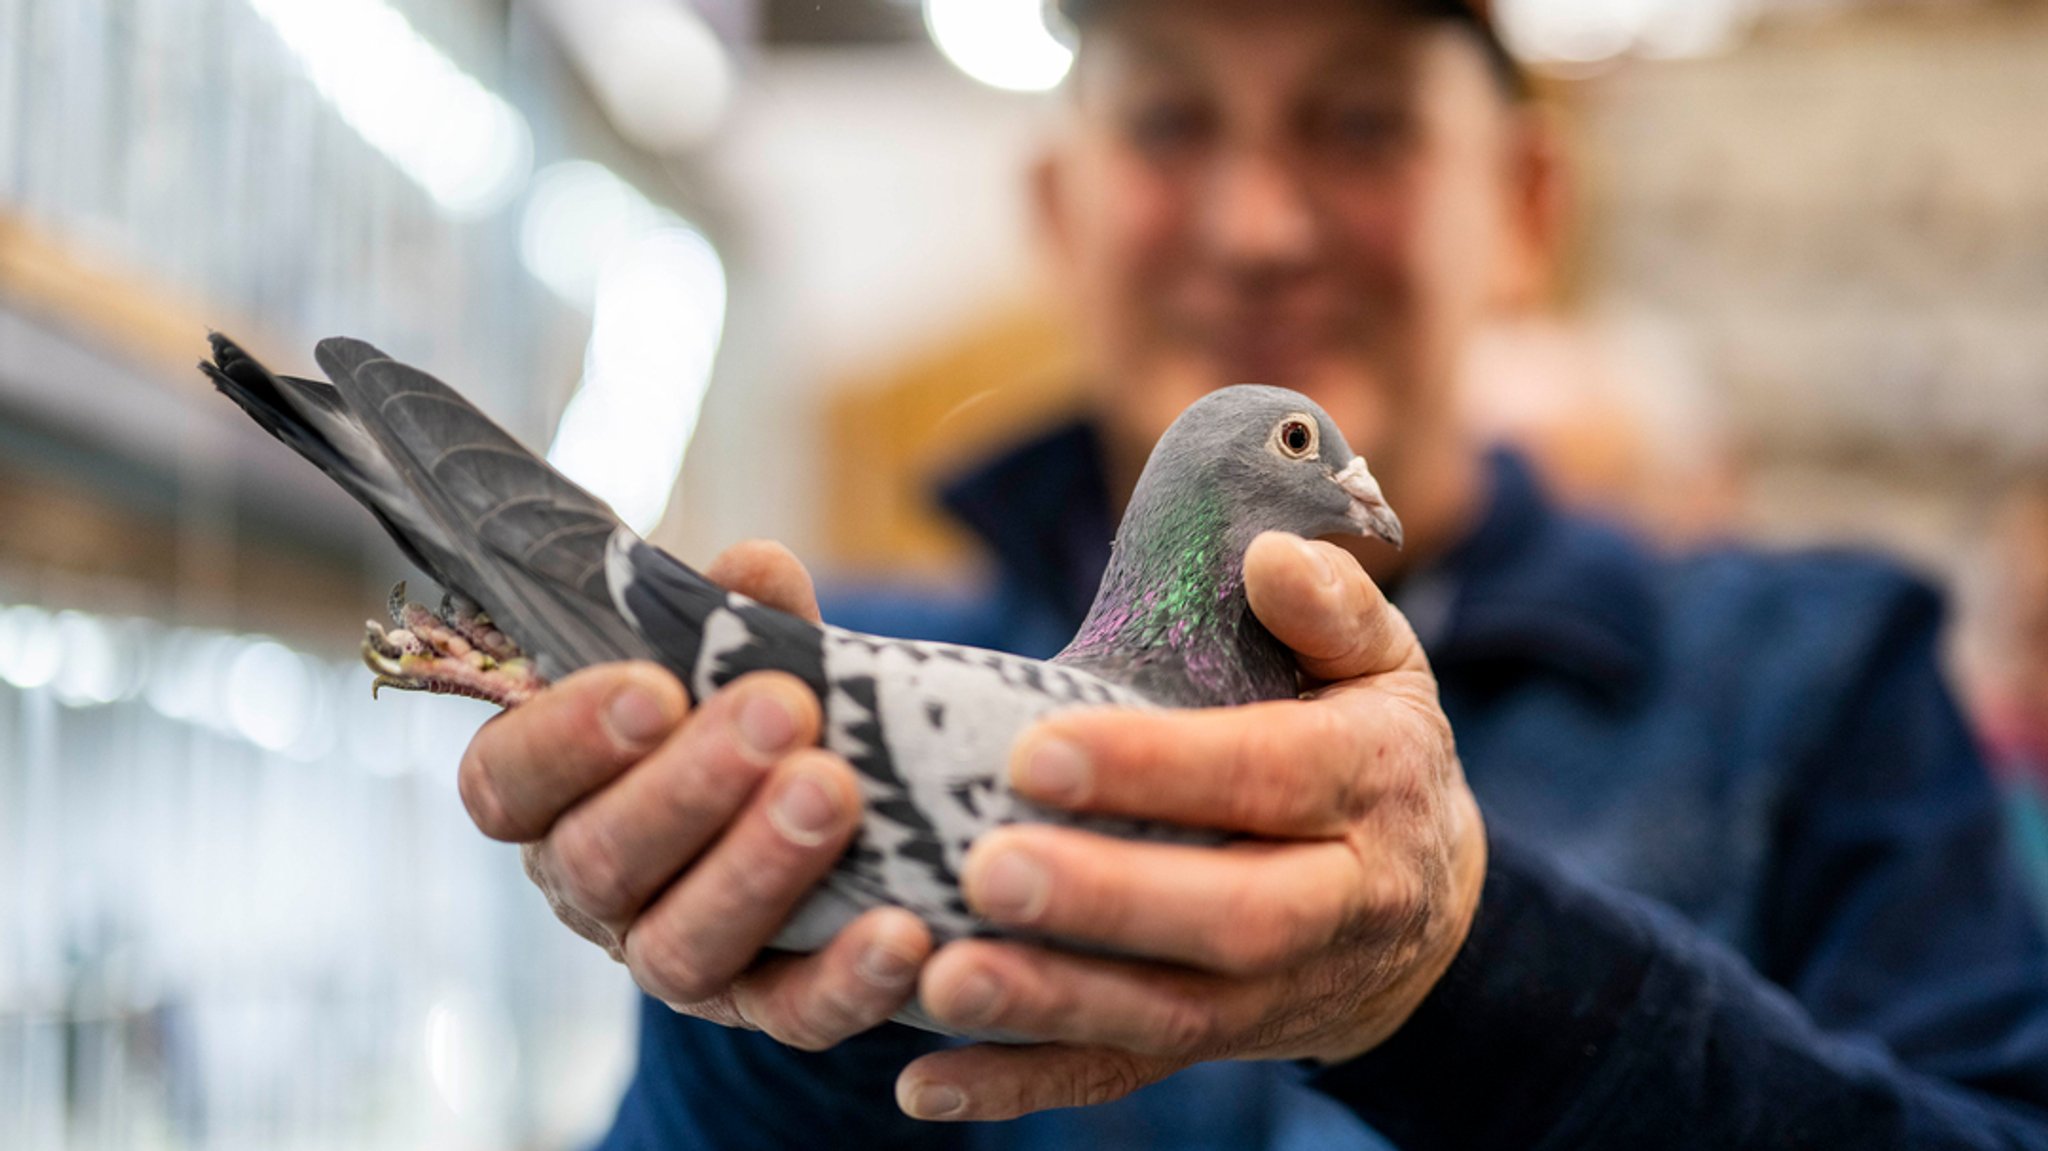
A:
(267, 689)
(472, 1055)
(660, 314)
(1002, 43)
(655, 290)
(577, 219)
(96, 667)
(184, 681)
(31, 650)
(466, 146)
(662, 76)
(1582, 32)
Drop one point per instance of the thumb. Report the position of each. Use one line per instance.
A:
(766, 571)
(1315, 598)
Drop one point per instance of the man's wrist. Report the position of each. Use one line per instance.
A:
(1520, 1020)
(1385, 1013)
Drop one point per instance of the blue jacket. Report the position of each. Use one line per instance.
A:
(1747, 885)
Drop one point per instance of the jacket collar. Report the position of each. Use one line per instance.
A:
(1043, 509)
(1536, 587)
(1530, 588)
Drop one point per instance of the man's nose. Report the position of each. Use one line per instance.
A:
(1258, 219)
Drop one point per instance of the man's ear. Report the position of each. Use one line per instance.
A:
(1049, 212)
(1538, 209)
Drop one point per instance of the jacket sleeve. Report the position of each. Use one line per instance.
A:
(1899, 998)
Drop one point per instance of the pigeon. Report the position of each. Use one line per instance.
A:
(542, 579)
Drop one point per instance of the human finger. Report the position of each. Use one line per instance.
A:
(1315, 598)
(1287, 769)
(1244, 908)
(988, 1082)
(610, 854)
(766, 571)
(1031, 993)
(710, 924)
(525, 767)
(862, 977)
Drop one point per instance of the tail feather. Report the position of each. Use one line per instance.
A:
(535, 541)
(311, 419)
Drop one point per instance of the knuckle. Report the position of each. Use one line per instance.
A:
(1255, 942)
(589, 870)
(1251, 795)
(831, 1015)
(764, 877)
(1397, 897)
(1280, 774)
(482, 799)
(1270, 930)
(1083, 897)
(783, 1024)
(1185, 1026)
(712, 750)
(666, 965)
(1105, 1079)
(1372, 623)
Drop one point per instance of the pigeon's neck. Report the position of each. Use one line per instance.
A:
(1171, 617)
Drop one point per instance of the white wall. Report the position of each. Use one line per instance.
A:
(874, 201)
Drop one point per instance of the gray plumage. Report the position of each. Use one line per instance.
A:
(928, 726)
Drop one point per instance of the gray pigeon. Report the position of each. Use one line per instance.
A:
(544, 579)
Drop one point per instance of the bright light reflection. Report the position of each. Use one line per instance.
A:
(96, 669)
(31, 650)
(1002, 43)
(467, 147)
(471, 1053)
(577, 218)
(267, 689)
(1579, 32)
(656, 291)
(661, 74)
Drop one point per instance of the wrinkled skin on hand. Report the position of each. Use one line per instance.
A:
(679, 841)
(1315, 937)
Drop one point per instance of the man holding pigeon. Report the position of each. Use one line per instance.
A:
(1738, 880)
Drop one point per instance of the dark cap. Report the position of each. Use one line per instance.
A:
(1478, 14)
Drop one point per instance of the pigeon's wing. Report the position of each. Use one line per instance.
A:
(528, 544)
(927, 726)
(311, 418)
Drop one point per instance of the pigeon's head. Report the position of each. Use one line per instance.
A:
(1283, 461)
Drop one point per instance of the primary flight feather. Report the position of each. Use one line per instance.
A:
(544, 579)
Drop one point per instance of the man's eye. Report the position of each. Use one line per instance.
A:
(1168, 128)
(1363, 130)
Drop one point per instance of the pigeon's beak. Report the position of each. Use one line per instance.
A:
(1369, 512)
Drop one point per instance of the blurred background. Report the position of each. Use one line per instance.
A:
(762, 268)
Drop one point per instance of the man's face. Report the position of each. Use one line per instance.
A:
(1316, 194)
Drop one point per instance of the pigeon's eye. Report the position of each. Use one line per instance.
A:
(1295, 438)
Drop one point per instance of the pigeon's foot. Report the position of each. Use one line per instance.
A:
(455, 651)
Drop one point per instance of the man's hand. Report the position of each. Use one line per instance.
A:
(1316, 937)
(680, 842)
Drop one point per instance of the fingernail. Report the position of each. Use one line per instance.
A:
(767, 725)
(804, 813)
(1054, 770)
(885, 968)
(1326, 572)
(976, 1000)
(934, 1101)
(1013, 887)
(635, 719)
